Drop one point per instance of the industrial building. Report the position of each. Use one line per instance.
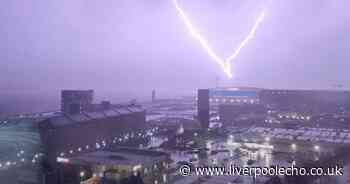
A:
(228, 102)
(251, 105)
(70, 134)
(203, 107)
(38, 141)
(66, 132)
(76, 101)
(115, 165)
(311, 101)
(243, 95)
(250, 113)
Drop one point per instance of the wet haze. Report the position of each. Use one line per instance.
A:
(127, 48)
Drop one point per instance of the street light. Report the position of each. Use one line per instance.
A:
(317, 148)
(82, 174)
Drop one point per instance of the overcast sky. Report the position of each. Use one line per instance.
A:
(139, 45)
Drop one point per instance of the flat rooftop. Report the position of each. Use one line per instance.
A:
(120, 156)
(115, 111)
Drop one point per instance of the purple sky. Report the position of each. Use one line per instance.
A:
(137, 45)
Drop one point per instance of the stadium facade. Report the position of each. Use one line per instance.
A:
(256, 103)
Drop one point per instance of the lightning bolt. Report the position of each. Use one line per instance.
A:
(202, 41)
(248, 38)
(225, 64)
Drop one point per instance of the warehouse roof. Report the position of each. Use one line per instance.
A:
(114, 111)
(121, 156)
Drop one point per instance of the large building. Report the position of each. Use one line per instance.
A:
(236, 96)
(251, 105)
(76, 101)
(32, 144)
(229, 102)
(241, 114)
(69, 134)
(63, 133)
(203, 107)
(116, 165)
(310, 101)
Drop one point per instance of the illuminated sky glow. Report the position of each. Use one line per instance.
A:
(225, 64)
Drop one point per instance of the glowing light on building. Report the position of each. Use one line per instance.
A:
(62, 160)
(82, 174)
(317, 148)
(137, 167)
(225, 64)
(181, 130)
(164, 178)
(209, 145)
